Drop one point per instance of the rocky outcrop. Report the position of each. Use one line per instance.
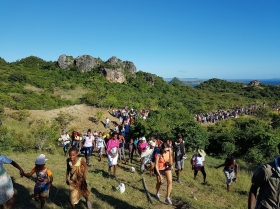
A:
(114, 69)
(114, 61)
(130, 67)
(150, 79)
(86, 62)
(254, 83)
(64, 62)
(113, 75)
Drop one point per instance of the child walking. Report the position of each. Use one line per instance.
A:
(230, 170)
(77, 169)
(43, 181)
(100, 144)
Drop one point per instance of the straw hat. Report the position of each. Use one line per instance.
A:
(201, 152)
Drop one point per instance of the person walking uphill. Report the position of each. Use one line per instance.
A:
(197, 162)
(230, 169)
(267, 179)
(77, 169)
(6, 184)
(88, 145)
(179, 153)
(163, 166)
(43, 181)
(65, 140)
(112, 152)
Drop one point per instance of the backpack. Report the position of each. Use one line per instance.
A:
(156, 151)
(193, 160)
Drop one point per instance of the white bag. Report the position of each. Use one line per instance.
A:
(121, 188)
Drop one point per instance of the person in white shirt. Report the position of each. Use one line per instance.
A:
(95, 134)
(107, 121)
(197, 162)
(100, 144)
(65, 140)
(88, 145)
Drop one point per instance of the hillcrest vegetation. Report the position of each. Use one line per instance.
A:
(33, 84)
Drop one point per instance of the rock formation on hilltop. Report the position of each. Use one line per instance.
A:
(254, 83)
(116, 70)
(64, 62)
(130, 67)
(113, 75)
(150, 79)
(86, 62)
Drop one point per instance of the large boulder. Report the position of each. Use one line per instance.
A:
(114, 61)
(113, 75)
(64, 62)
(86, 62)
(130, 67)
(150, 79)
(254, 83)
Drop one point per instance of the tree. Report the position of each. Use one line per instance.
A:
(43, 132)
(64, 119)
(275, 121)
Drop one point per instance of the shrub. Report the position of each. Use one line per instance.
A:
(254, 155)
(6, 138)
(17, 77)
(20, 115)
(64, 119)
(44, 133)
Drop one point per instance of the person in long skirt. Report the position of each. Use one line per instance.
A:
(6, 184)
(112, 152)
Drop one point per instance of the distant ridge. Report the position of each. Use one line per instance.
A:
(271, 81)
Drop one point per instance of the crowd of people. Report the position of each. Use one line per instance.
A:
(157, 157)
(219, 115)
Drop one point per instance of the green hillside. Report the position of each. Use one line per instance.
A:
(34, 84)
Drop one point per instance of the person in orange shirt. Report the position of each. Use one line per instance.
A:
(43, 181)
(163, 166)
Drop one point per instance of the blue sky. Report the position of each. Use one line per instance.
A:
(182, 38)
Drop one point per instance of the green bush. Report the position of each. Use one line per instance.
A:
(20, 115)
(6, 138)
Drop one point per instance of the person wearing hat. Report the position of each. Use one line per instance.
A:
(197, 162)
(179, 153)
(43, 181)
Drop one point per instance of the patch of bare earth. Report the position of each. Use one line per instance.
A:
(82, 117)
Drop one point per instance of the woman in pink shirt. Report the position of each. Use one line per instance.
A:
(143, 144)
(112, 152)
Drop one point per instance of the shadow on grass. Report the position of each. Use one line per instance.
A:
(114, 202)
(22, 197)
(180, 204)
(126, 169)
(100, 172)
(59, 196)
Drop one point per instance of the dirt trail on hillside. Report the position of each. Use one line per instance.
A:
(81, 114)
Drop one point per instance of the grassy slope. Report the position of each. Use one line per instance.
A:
(213, 195)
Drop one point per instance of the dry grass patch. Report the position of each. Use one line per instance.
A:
(33, 88)
(71, 94)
